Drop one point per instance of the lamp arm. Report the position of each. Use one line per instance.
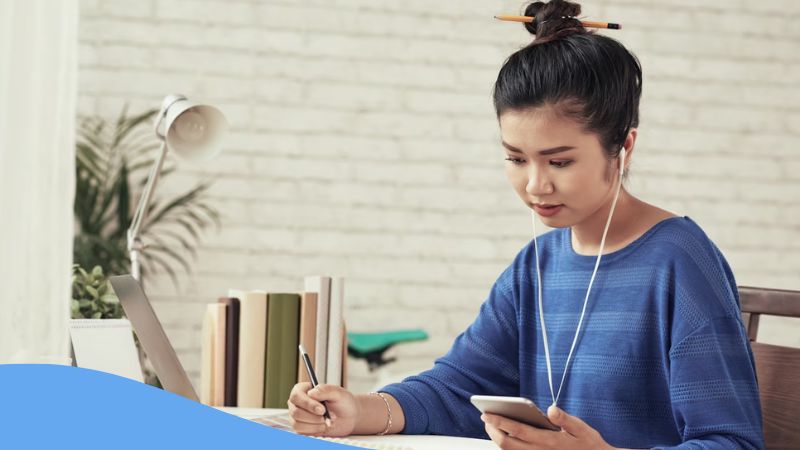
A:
(134, 245)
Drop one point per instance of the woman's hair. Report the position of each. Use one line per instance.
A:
(589, 78)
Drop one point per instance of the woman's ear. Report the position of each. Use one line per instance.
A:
(630, 142)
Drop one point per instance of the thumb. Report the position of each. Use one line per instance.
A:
(568, 423)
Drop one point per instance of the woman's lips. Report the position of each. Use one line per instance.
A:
(547, 210)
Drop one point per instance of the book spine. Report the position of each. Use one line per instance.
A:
(335, 332)
(252, 349)
(231, 349)
(308, 332)
(322, 286)
(219, 355)
(207, 357)
(282, 338)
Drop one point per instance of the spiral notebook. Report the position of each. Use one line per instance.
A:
(281, 422)
(106, 345)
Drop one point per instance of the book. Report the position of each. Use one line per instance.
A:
(322, 287)
(335, 332)
(207, 356)
(252, 347)
(308, 332)
(218, 391)
(231, 348)
(283, 320)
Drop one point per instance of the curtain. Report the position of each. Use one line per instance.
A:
(38, 89)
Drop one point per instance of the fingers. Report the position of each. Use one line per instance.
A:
(503, 440)
(524, 433)
(571, 424)
(301, 415)
(299, 397)
(327, 392)
(310, 429)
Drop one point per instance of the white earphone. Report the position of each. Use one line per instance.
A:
(556, 394)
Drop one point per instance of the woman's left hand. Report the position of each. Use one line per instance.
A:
(509, 434)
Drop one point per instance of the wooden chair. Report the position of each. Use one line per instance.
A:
(777, 367)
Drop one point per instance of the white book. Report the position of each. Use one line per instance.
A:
(252, 347)
(218, 391)
(322, 286)
(335, 332)
(207, 357)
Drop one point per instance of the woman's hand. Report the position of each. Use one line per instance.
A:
(306, 410)
(575, 434)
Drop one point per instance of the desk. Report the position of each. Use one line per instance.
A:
(417, 442)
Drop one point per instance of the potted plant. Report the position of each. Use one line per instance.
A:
(92, 295)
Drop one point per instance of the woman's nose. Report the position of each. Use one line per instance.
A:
(538, 183)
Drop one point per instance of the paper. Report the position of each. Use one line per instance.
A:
(106, 345)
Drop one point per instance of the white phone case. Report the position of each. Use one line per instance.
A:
(515, 408)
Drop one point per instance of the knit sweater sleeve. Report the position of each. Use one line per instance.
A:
(712, 379)
(483, 360)
(713, 389)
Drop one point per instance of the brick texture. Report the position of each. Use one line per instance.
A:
(364, 144)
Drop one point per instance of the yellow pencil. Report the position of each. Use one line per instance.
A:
(585, 23)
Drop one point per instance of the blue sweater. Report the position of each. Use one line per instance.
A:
(662, 361)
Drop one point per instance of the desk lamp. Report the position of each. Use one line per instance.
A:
(193, 132)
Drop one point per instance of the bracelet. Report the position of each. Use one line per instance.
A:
(388, 410)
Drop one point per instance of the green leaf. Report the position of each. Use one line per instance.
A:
(97, 315)
(92, 291)
(104, 287)
(109, 299)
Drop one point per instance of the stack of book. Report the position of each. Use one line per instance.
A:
(250, 339)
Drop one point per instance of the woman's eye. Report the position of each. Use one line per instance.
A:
(516, 161)
(560, 164)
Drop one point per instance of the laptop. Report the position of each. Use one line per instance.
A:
(162, 355)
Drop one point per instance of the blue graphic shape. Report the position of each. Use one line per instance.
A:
(61, 407)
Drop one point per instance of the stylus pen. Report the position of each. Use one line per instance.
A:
(313, 377)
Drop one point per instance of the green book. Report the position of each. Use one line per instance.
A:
(283, 325)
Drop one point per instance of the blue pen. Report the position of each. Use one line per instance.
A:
(313, 377)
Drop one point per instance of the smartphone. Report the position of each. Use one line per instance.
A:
(515, 408)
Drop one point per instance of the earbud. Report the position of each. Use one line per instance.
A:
(622, 162)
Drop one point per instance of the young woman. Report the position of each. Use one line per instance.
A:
(625, 318)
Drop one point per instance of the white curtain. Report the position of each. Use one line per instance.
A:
(38, 89)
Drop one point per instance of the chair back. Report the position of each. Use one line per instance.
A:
(777, 367)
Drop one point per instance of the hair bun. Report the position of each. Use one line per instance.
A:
(553, 19)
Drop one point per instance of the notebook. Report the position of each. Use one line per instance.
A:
(281, 422)
(105, 345)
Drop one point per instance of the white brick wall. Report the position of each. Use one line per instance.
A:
(364, 144)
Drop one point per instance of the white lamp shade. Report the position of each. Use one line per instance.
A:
(193, 131)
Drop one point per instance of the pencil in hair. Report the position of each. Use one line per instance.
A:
(585, 23)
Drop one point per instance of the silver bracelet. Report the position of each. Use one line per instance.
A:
(388, 410)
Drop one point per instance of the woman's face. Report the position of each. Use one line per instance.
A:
(556, 168)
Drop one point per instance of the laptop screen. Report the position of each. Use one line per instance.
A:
(152, 336)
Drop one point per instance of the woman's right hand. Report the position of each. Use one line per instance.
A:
(306, 410)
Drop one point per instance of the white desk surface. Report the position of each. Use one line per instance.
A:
(417, 442)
